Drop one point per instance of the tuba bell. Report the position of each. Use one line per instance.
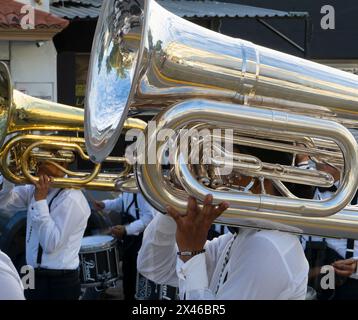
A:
(146, 60)
(25, 122)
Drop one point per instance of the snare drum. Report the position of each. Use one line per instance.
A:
(99, 261)
(149, 290)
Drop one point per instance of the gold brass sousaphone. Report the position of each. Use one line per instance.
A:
(146, 60)
(25, 123)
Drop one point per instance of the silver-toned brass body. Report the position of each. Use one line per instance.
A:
(147, 60)
(255, 208)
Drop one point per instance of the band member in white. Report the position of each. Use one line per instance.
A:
(342, 254)
(136, 213)
(10, 282)
(56, 221)
(249, 264)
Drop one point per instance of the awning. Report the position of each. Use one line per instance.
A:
(81, 9)
(46, 25)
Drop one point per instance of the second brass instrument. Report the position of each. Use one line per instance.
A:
(25, 124)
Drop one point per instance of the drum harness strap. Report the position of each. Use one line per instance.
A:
(350, 242)
(40, 250)
(135, 202)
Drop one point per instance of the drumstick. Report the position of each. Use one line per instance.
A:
(107, 231)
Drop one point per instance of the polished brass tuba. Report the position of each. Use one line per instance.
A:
(24, 122)
(146, 60)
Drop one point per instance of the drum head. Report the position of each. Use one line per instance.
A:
(93, 243)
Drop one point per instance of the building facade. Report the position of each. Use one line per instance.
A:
(26, 46)
(333, 34)
(51, 61)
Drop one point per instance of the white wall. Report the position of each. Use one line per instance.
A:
(33, 69)
(45, 4)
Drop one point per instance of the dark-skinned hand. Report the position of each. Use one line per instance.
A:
(194, 225)
(42, 187)
(118, 231)
(345, 268)
(98, 205)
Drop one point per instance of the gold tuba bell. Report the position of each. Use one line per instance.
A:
(147, 60)
(24, 121)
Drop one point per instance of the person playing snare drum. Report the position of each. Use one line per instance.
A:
(136, 214)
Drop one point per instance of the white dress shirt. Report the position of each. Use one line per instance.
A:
(59, 232)
(146, 211)
(261, 265)
(221, 229)
(11, 287)
(338, 245)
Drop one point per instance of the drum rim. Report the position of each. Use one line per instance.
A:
(95, 248)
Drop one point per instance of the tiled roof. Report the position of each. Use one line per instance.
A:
(81, 9)
(76, 8)
(10, 17)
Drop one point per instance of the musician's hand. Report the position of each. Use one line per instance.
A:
(334, 172)
(345, 268)
(193, 227)
(42, 187)
(118, 231)
(98, 205)
(301, 157)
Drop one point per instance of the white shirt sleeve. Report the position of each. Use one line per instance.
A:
(10, 288)
(308, 164)
(113, 204)
(157, 256)
(13, 198)
(56, 229)
(10, 282)
(194, 277)
(157, 259)
(354, 275)
(194, 274)
(146, 214)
